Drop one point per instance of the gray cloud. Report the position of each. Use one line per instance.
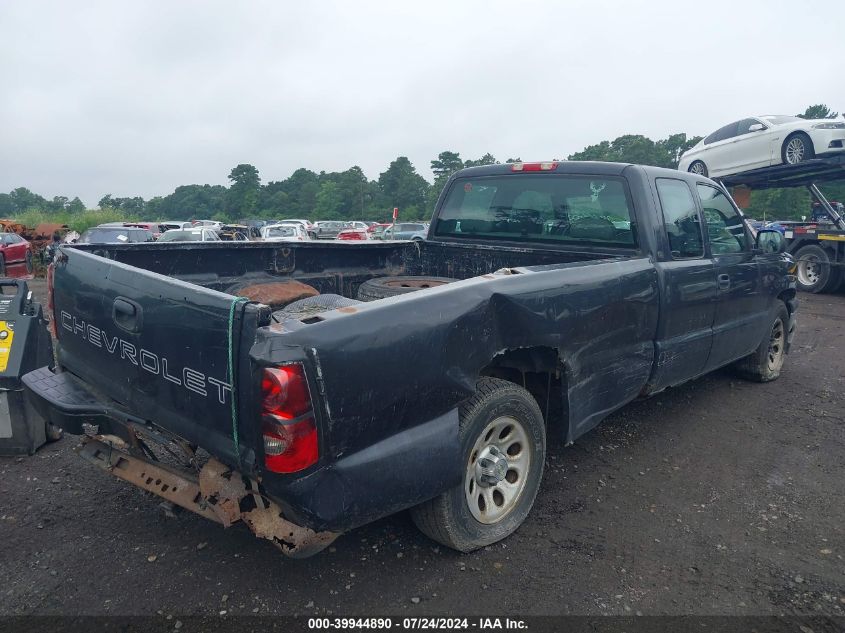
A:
(137, 98)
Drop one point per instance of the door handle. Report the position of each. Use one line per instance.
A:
(127, 314)
(724, 282)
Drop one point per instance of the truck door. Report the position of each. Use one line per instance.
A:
(684, 331)
(742, 306)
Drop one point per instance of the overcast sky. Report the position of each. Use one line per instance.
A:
(137, 98)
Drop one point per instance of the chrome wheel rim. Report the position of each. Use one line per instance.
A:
(697, 168)
(497, 469)
(776, 349)
(809, 270)
(795, 151)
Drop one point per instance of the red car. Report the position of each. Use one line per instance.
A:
(353, 234)
(14, 250)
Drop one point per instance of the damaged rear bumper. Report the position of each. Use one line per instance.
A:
(217, 493)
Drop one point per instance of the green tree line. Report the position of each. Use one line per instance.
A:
(350, 195)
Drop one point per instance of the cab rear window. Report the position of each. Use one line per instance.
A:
(539, 208)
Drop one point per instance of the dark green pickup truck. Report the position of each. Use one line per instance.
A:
(310, 388)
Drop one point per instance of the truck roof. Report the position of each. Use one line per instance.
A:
(594, 168)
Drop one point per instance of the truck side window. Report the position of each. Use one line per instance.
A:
(681, 219)
(724, 223)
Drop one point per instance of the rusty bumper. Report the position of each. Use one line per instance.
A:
(218, 493)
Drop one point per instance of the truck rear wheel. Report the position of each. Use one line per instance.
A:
(503, 447)
(816, 273)
(764, 363)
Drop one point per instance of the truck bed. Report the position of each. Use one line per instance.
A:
(330, 267)
(152, 327)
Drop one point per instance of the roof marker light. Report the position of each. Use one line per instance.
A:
(547, 166)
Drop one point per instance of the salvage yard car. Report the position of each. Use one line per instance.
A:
(763, 141)
(283, 233)
(14, 250)
(196, 234)
(326, 229)
(405, 231)
(310, 388)
(107, 234)
(353, 234)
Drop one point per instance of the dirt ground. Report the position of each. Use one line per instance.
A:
(720, 497)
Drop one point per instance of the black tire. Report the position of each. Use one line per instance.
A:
(448, 518)
(383, 287)
(765, 363)
(28, 262)
(816, 273)
(2, 265)
(698, 167)
(313, 236)
(797, 148)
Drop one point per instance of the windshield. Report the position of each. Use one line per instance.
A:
(181, 236)
(279, 231)
(541, 208)
(780, 120)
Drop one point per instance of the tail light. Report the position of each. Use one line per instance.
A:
(287, 420)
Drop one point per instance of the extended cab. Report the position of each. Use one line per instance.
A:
(309, 388)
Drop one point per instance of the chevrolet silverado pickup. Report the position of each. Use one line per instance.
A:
(308, 388)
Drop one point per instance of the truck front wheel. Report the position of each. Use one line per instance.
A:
(503, 448)
(816, 272)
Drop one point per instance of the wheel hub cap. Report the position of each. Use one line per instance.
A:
(491, 467)
(497, 468)
(776, 349)
(795, 151)
(809, 270)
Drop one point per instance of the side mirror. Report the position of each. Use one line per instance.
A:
(756, 127)
(770, 241)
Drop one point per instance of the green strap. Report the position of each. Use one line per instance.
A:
(234, 399)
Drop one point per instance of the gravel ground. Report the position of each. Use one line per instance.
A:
(719, 497)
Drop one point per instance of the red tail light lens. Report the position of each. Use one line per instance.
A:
(288, 427)
(285, 391)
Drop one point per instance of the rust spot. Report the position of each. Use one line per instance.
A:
(278, 294)
(348, 310)
(238, 498)
(219, 493)
(222, 490)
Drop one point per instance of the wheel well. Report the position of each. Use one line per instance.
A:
(788, 297)
(793, 135)
(541, 371)
(831, 249)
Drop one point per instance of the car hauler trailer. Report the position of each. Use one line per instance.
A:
(818, 247)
